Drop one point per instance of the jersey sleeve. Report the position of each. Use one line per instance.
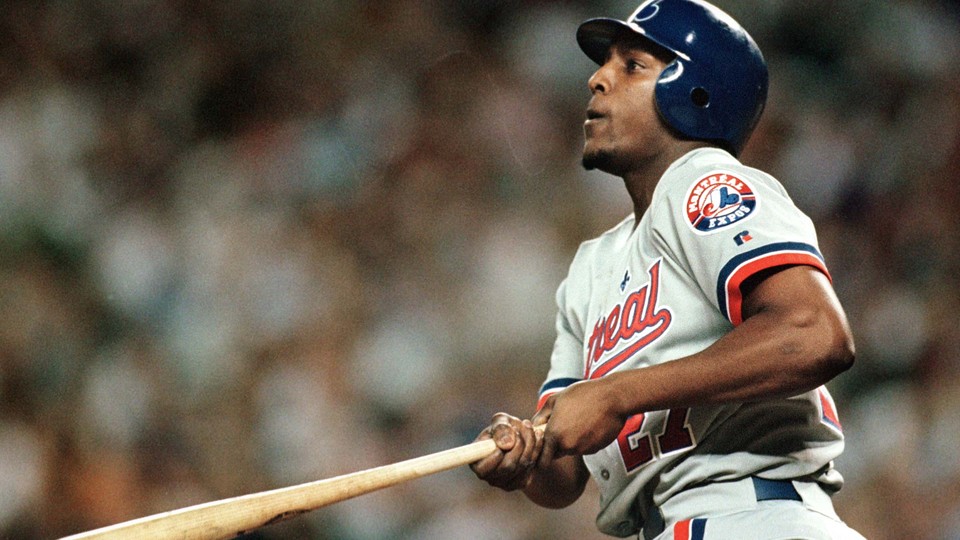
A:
(724, 226)
(566, 360)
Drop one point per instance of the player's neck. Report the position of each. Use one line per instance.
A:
(641, 192)
(642, 181)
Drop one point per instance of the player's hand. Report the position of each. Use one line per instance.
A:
(520, 446)
(583, 419)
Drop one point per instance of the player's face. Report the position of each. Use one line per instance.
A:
(623, 129)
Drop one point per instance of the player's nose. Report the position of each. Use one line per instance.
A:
(599, 82)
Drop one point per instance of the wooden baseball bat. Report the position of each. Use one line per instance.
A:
(228, 518)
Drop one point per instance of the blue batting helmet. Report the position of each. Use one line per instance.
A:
(715, 88)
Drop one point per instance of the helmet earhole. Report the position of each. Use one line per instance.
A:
(700, 97)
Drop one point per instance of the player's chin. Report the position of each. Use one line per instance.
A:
(595, 158)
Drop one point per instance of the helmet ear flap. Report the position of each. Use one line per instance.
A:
(682, 101)
(700, 97)
(696, 104)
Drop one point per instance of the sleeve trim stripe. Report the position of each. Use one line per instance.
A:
(829, 410)
(543, 398)
(552, 387)
(741, 267)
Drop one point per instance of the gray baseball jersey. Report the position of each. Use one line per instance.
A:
(667, 288)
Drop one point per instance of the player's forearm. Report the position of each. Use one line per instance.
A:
(560, 484)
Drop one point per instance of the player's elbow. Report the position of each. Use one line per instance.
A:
(832, 346)
(840, 353)
(845, 350)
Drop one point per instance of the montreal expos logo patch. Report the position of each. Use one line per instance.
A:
(718, 200)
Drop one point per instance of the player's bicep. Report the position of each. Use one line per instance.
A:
(801, 299)
(784, 288)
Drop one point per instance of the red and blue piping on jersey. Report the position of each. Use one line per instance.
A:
(690, 529)
(741, 267)
(828, 410)
(550, 388)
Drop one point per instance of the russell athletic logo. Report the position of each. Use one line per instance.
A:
(718, 200)
(742, 238)
(637, 321)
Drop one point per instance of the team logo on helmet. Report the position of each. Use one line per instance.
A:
(647, 11)
(718, 200)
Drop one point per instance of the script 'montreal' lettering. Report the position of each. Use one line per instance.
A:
(637, 318)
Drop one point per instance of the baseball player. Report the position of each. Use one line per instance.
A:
(695, 337)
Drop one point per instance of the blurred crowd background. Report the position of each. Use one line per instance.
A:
(250, 244)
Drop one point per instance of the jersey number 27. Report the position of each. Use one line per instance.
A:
(649, 436)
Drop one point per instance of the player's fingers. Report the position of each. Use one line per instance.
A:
(501, 470)
(505, 436)
(549, 449)
(539, 434)
(519, 462)
(503, 430)
(486, 466)
(512, 457)
(483, 467)
(502, 433)
(529, 437)
(501, 466)
(543, 414)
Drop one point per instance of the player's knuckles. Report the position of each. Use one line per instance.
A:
(502, 418)
(526, 460)
(512, 460)
(539, 449)
(530, 454)
(529, 439)
(504, 435)
(487, 466)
